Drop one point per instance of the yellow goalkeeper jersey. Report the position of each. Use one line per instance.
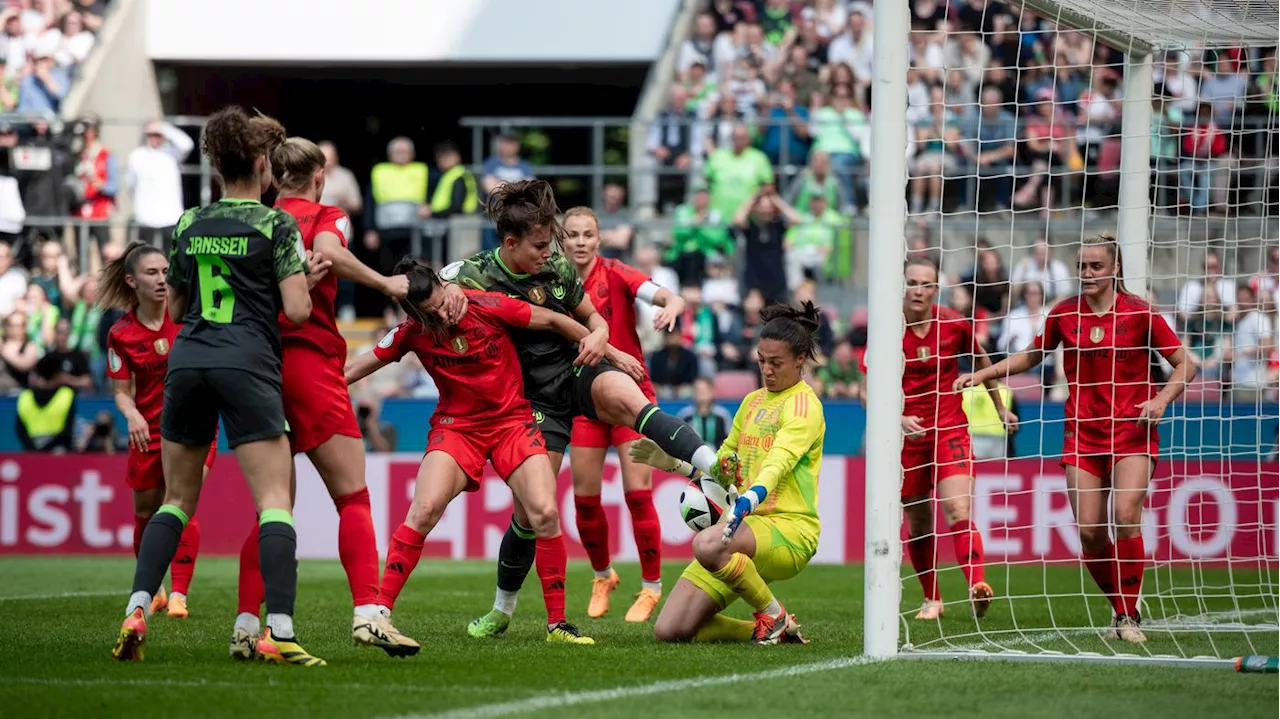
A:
(778, 437)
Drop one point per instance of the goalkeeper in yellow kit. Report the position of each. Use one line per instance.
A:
(773, 455)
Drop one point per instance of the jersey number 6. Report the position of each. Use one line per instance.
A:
(217, 299)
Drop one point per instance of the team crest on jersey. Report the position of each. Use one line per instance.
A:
(162, 346)
(922, 353)
(1095, 335)
(537, 296)
(113, 360)
(460, 345)
(539, 417)
(558, 292)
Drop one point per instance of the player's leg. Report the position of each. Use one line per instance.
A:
(954, 494)
(637, 490)
(586, 461)
(917, 511)
(148, 495)
(1087, 491)
(731, 563)
(692, 611)
(250, 592)
(617, 400)
(534, 483)
(183, 568)
(1130, 478)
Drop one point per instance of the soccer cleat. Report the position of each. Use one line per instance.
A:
(566, 633)
(178, 606)
(133, 634)
(493, 624)
(980, 595)
(792, 635)
(646, 601)
(244, 646)
(601, 587)
(931, 610)
(160, 601)
(770, 628)
(282, 651)
(728, 471)
(381, 634)
(1128, 629)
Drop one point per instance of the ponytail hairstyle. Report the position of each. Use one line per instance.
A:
(1108, 241)
(233, 140)
(294, 162)
(798, 327)
(114, 292)
(423, 284)
(517, 208)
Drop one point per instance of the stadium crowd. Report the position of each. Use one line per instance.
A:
(764, 148)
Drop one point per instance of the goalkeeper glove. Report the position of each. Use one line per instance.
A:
(646, 451)
(728, 471)
(746, 504)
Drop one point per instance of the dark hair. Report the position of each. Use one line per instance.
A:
(445, 147)
(48, 367)
(233, 140)
(516, 208)
(423, 282)
(113, 291)
(798, 327)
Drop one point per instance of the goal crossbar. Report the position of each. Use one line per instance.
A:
(1142, 26)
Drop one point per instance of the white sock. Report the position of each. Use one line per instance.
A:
(178, 595)
(384, 610)
(249, 623)
(505, 602)
(139, 600)
(604, 573)
(368, 611)
(281, 625)
(774, 609)
(652, 586)
(704, 459)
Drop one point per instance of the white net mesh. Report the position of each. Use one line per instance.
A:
(1015, 156)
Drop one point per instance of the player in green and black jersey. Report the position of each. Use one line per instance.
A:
(560, 381)
(234, 266)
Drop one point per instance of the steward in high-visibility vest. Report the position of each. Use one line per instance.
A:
(46, 411)
(453, 189)
(398, 187)
(990, 440)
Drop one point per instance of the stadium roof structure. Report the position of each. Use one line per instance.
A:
(1142, 26)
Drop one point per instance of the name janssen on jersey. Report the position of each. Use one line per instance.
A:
(226, 246)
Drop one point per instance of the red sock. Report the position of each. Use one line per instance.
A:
(648, 531)
(551, 561)
(184, 561)
(922, 551)
(1132, 558)
(593, 530)
(358, 546)
(968, 545)
(402, 557)
(1105, 572)
(139, 526)
(250, 592)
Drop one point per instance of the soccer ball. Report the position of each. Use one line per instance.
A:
(704, 501)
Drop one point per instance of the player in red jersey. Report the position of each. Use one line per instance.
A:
(318, 408)
(936, 450)
(138, 347)
(482, 415)
(613, 287)
(1110, 441)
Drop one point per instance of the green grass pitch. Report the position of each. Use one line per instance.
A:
(60, 616)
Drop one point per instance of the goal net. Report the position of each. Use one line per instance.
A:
(1030, 126)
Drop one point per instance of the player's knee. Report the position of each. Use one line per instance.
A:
(708, 548)
(955, 510)
(544, 519)
(671, 630)
(1093, 540)
(424, 515)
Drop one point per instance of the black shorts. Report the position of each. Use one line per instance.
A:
(251, 406)
(557, 427)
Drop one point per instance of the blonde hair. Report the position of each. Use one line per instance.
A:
(114, 291)
(581, 211)
(1109, 242)
(294, 162)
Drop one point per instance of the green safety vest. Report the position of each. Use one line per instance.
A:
(399, 183)
(48, 421)
(983, 419)
(443, 195)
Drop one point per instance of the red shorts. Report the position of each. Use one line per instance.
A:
(940, 454)
(593, 433)
(1099, 459)
(317, 405)
(145, 470)
(507, 445)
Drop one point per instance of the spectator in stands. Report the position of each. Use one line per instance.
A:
(1266, 284)
(840, 129)
(932, 161)
(711, 421)
(14, 43)
(85, 331)
(1224, 83)
(1178, 80)
(8, 86)
(810, 241)
(670, 143)
(736, 174)
(46, 410)
(92, 12)
(720, 116)
(840, 377)
(761, 223)
(854, 47)
(71, 39)
(18, 352)
(1206, 158)
(674, 368)
(800, 63)
(817, 179)
(699, 329)
(97, 180)
(1019, 328)
(990, 283)
(452, 191)
(53, 273)
(341, 189)
(776, 21)
(41, 91)
(701, 88)
(700, 46)
(1048, 145)
(13, 214)
(1251, 345)
(379, 436)
(741, 336)
(398, 198)
(73, 364)
(995, 131)
(154, 176)
(100, 436)
(1041, 267)
(720, 287)
(42, 167)
(616, 229)
(504, 166)
(960, 299)
(13, 280)
(698, 229)
(1166, 128)
(1207, 333)
(1194, 297)
(965, 51)
(785, 127)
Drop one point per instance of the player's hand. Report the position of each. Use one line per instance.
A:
(745, 505)
(592, 348)
(1151, 411)
(1010, 421)
(317, 267)
(646, 451)
(665, 318)
(454, 305)
(911, 426)
(139, 433)
(625, 362)
(396, 287)
(964, 381)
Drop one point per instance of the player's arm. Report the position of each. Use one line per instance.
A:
(362, 366)
(389, 349)
(347, 266)
(121, 376)
(802, 425)
(982, 361)
(1049, 337)
(291, 267)
(595, 345)
(1166, 342)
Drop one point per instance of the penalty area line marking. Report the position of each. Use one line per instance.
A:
(566, 699)
(246, 683)
(64, 595)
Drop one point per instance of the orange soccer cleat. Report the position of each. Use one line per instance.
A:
(601, 588)
(646, 601)
(160, 601)
(133, 634)
(980, 595)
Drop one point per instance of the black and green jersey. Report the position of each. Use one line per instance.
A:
(546, 358)
(229, 258)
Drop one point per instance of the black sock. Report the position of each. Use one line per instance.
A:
(515, 556)
(674, 437)
(159, 544)
(278, 558)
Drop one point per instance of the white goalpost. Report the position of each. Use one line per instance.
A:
(1155, 120)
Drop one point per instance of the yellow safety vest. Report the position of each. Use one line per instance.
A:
(44, 422)
(442, 197)
(983, 419)
(399, 183)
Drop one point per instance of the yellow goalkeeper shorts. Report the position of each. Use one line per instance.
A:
(784, 545)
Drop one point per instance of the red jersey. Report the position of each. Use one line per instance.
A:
(137, 352)
(475, 365)
(931, 367)
(1106, 359)
(321, 330)
(612, 286)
